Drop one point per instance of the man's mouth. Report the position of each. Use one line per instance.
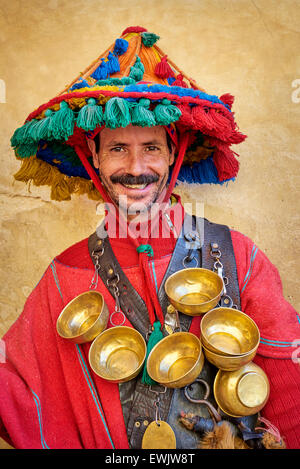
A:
(135, 186)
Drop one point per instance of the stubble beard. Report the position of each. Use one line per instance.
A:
(135, 207)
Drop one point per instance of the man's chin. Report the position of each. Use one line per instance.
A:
(135, 202)
(137, 206)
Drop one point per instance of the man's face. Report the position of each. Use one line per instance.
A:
(133, 162)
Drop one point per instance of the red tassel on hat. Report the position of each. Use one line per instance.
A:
(186, 118)
(227, 99)
(202, 119)
(226, 164)
(179, 81)
(163, 69)
(134, 29)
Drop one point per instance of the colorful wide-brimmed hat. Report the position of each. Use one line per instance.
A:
(132, 83)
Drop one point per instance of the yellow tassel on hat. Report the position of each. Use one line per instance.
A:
(62, 187)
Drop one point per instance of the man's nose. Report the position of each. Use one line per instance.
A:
(135, 163)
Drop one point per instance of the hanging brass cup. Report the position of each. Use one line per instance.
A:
(229, 332)
(241, 392)
(176, 361)
(228, 362)
(117, 354)
(83, 318)
(194, 291)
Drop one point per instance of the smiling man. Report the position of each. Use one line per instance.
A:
(133, 165)
(125, 132)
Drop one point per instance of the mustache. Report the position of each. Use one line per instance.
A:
(130, 179)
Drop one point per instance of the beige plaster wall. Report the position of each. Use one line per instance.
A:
(248, 48)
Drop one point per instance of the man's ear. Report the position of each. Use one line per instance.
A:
(172, 154)
(92, 147)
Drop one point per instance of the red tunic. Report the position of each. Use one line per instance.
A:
(49, 396)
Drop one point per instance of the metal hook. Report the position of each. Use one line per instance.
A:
(204, 401)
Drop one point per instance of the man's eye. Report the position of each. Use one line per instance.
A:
(117, 149)
(152, 148)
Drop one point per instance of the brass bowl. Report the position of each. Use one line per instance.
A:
(194, 291)
(228, 362)
(118, 354)
(228, 331)
(83, 318)
(176, 361)
(241, 392)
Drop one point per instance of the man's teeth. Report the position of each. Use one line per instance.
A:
(135, 186)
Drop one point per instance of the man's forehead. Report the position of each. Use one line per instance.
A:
(133, 133)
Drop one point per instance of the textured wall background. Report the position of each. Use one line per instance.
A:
(248, 48)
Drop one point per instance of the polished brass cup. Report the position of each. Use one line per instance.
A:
(83, 318)
(228, 362)
(176, 361)
(230, 332)
(117, 354)
(241, 392)
(194, 291)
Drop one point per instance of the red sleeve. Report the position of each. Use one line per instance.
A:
(279, 324)
(28, 370)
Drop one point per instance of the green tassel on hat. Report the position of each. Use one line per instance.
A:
(117, 113)
(41, 129)
(116, 81)
(166, 113)
(23, 134)
(137, 70)
(90, 115)
(141, 114)
(155, 337)
(62, 124)
(26, 149)
(149, 39)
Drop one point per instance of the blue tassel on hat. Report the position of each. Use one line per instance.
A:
(81, 83)
(113, 63)
(102, 71)
(121, 46)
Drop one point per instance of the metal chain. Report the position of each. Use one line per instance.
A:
(114, 284)
(157, 404)
(215, 252)
(117, 310)
(96, 256)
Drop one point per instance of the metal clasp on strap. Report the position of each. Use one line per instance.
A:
(194, 243)
(215, 252)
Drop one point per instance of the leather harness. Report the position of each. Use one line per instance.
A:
(195, 245)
